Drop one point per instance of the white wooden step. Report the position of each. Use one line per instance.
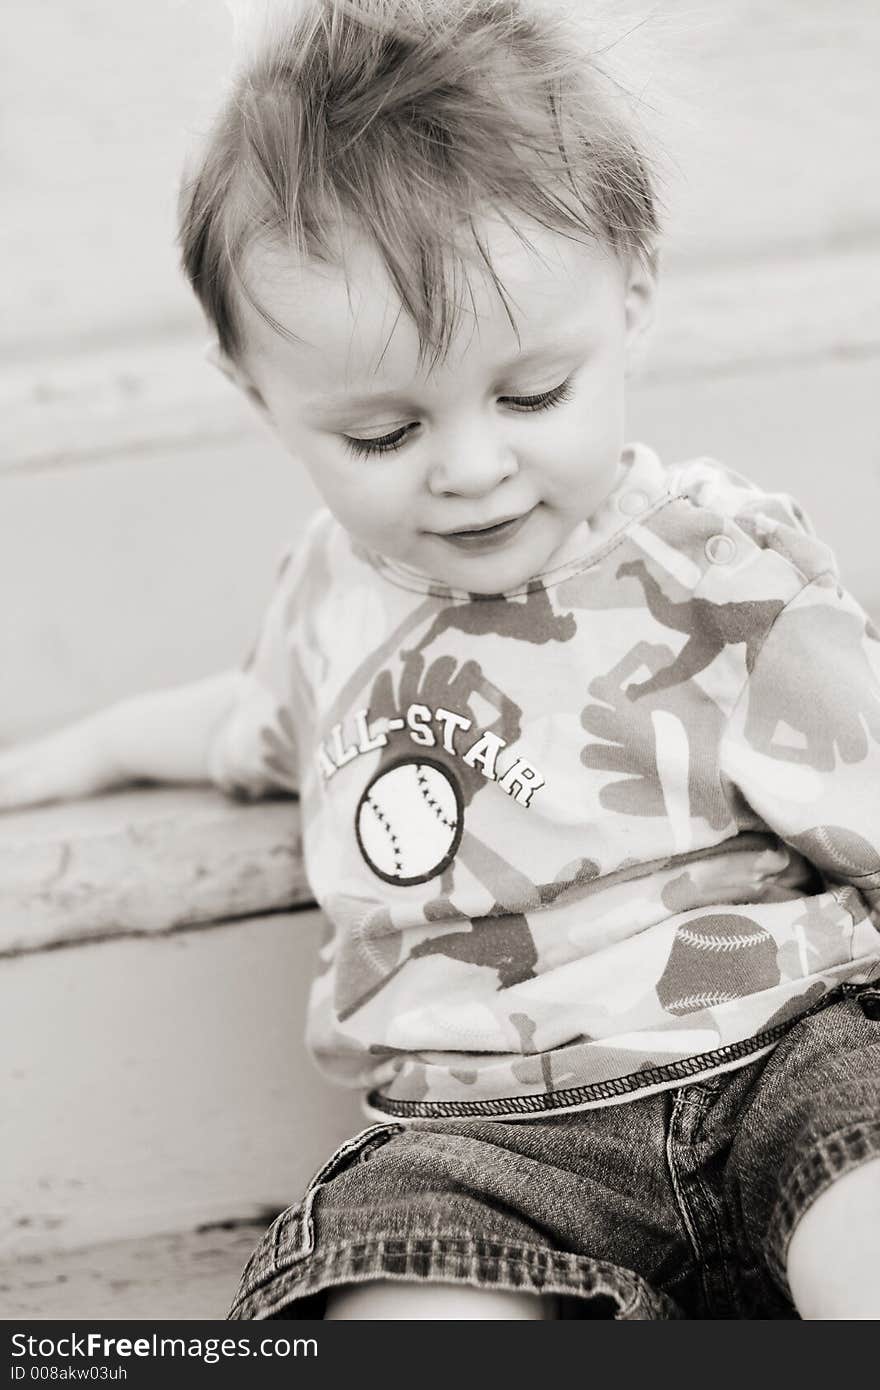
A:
(155, 1079)
(144, 861)
(184, 1276)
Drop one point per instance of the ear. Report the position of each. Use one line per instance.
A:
(235, 373)
(640, 303)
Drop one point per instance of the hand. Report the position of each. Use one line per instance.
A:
(62, 766)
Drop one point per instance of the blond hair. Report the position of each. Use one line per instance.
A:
(408, 119)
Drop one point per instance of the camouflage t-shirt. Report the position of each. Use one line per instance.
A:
(585, 839)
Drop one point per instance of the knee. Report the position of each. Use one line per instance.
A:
(384, 1300)
(831, 1263)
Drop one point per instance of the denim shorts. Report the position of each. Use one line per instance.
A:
(679, 1204)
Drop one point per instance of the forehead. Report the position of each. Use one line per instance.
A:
(343, 325)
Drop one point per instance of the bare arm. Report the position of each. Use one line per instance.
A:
(163, 736)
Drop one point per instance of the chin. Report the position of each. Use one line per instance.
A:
(494, 578)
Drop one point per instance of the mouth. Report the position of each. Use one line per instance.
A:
(485, 537)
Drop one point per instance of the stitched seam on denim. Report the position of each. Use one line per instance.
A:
(784, 1217)
(282, 1223)
(541, 1101)
(556, 1285)
(477, 1248)
(564, 1279)
(490, 1249)
(720, 1263)
(721, 1243)
(511, 1253)
(559, 1262)
(681, 1202)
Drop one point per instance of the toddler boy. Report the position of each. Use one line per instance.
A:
(588, 747)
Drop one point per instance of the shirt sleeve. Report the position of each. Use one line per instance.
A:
(254, 751)
(802, 746)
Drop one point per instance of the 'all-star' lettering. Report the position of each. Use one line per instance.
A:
(431, 729)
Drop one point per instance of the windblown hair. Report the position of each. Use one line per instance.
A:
(407, 120)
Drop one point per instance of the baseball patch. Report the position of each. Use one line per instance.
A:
(409, 821)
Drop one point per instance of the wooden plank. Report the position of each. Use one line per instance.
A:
(160, 1084)
(126, 402)
(143, 862)
(182, 1276)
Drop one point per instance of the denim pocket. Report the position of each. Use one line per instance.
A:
(295, 1239)
(291, 1237)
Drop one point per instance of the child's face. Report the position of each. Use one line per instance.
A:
(521, 436)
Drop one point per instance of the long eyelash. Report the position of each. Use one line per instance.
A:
(545, 400)
(382, 444)
(390, 443)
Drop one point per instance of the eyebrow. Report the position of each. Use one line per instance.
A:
(547, 354)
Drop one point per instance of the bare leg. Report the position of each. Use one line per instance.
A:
(832, 1256)
(384, 1300)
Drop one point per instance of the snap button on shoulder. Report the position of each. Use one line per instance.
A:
(720, 550)
(633, 502)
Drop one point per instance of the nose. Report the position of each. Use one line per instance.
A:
(471, 462)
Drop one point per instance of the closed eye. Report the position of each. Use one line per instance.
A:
(389, 443)
(544, 400)
(382, 444)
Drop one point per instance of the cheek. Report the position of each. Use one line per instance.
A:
(601, 416)
(580, 457)
(336, 484)
(358, 495)
(587, 444)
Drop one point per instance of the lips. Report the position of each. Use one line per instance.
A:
(485, 537)
(481, 530)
